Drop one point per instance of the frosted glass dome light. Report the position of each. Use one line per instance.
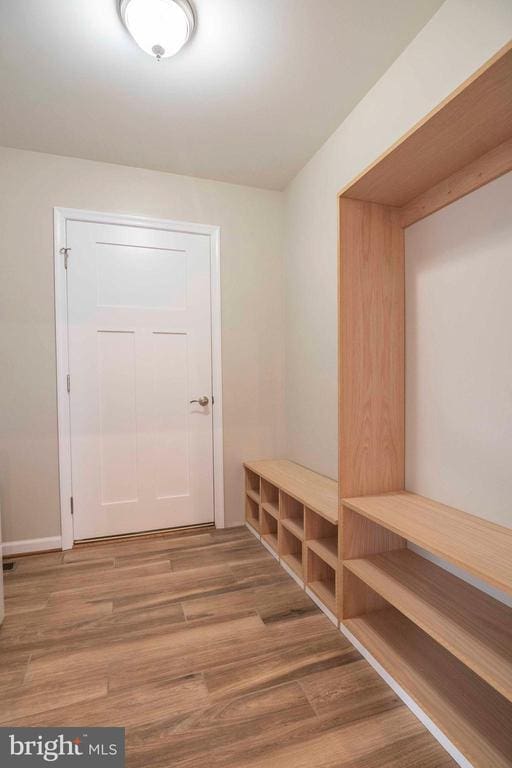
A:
(160, 27)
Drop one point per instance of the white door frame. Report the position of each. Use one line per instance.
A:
(61, 217)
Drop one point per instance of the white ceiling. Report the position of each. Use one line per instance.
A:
(254, 94)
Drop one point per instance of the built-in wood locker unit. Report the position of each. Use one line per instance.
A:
(444, 645)
(447, 644)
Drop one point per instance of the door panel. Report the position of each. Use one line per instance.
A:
(139, 351)
(135, 277)
(170, 357)
(117, 416)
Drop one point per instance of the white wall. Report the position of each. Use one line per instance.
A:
(251, 256)
(459, 354)
(461, 36)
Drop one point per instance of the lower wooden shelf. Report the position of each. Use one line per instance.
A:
(325, 592)
(252, 513)
(253, 524)
(294, 561)
(321, 579)
(473, 716)
(271, 539)
(473, 626)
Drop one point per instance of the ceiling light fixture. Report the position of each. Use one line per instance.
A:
(160, 27)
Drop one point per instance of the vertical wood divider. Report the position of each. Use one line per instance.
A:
(371, 380)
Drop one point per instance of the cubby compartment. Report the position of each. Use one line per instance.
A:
(252, 513)
(292, 515)
(291, 551)
(270, 498)
(269, 529)
(252, 485)
(322, 537)
(321, 580)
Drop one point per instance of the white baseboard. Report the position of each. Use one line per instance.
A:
(436, 732)
(25, 546)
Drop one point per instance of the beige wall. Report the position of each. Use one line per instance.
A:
(262, 293)
(458, 39)
(31, 184)
(459, 354)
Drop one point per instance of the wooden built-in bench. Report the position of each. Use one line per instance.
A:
(294, 512)
(445, 643)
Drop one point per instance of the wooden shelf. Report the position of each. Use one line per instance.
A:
(470, 122)
(253, 495)
(252, 513)
(327, 549)
(294, 561)
(473, 626)
(321, 579)
(269, 498)
(269, 529)
(316, 491)
(253, 523)
(470, 713)
(325, 593)
(291, 549)
(271, 539)
(476, 545)
(295, 526)
(272, 508)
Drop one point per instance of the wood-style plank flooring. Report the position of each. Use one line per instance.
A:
(205, 650)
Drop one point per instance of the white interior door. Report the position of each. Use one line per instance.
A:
(139, 351)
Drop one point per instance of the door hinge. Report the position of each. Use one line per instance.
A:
(68, 383)
(71, 504)
(65, 253)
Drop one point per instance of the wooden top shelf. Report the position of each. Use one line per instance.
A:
(316, 491)
(473, 626)
(472, 715)
(476, 545)
(473, 120)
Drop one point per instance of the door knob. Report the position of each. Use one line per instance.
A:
(203, 400)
